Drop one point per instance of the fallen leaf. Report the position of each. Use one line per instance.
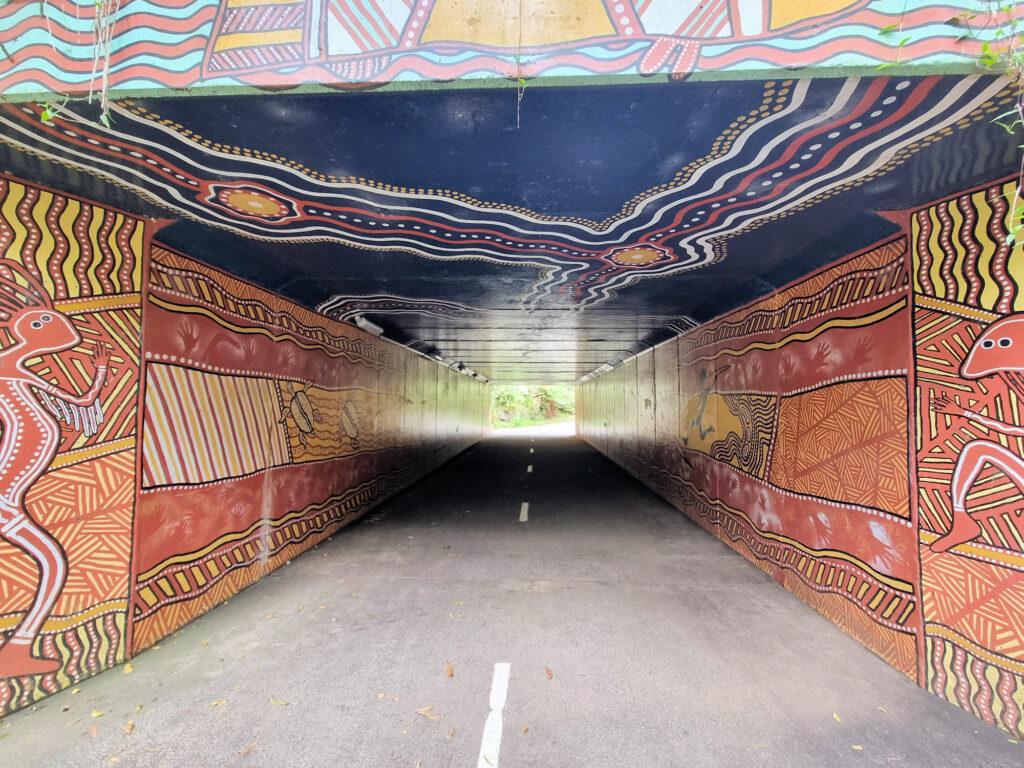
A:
(321, 607)
(249, 749)
(138, 708)
(129, 727)
(449, 669)
(206, 642)
(301, 607)
(97, 713)
(279, 702)
(428, 712)
(94, 731)
(64, 709)
(836, 718)
(75, 690)
(549, 672)
(113, 758)
(269, 616)
(450, 733)
(881, 709)
(220, 703)
(380, 695)
(396, 698)
(155, 647)
(129, 668)
(858, 747)
(525, 729)
(459, 602)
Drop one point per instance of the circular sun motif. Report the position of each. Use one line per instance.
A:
(253, 202)
(637, 256)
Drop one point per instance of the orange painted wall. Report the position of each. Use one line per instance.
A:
(265, 428)
(825, 431)
(231, 430)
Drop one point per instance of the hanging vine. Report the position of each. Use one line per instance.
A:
(104, 20)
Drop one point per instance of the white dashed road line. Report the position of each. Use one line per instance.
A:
(529, 467)
(491, 743)
(524, 512)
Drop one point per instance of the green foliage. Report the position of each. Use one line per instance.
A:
(519, 405)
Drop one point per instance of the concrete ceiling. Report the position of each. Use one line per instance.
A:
(531, 234)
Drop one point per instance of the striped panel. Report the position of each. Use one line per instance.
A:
(72, 247)
(961, 254)
(201, 427)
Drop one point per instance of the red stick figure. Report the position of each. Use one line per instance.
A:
(999, 351)
(29, 443)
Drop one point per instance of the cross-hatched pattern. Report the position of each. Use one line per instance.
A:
(88, 508)
(847, 442)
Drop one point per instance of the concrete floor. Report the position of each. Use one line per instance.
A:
(664, 648)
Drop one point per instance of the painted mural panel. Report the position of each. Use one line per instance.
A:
(790, 442)
(266, 427)
(968, 295)
(69, 382)
(353, 43)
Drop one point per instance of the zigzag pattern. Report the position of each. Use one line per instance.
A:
(72, 370)
(84, 650)
(846, 442)
(749, 451)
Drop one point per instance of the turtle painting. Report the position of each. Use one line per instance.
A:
(301, 409)
(349, 423)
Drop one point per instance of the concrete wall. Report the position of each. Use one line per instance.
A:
(803, 432)
(238, 429)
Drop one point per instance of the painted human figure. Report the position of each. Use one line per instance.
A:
(999, 351)
(29, 442)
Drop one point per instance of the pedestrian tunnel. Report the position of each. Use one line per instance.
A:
(250, 300)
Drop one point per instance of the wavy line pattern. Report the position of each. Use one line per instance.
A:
(164, 44)
(786, 159)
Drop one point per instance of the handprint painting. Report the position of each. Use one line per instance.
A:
(69, 349)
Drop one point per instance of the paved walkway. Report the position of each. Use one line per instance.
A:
(632, 638)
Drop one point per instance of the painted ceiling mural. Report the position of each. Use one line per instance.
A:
(465, 224)
(184, 43)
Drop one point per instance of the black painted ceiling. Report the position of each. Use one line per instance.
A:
(534, 234)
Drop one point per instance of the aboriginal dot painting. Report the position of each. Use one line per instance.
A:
(782, 429)
(266, 428)
(70, 275)
(968, 300)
